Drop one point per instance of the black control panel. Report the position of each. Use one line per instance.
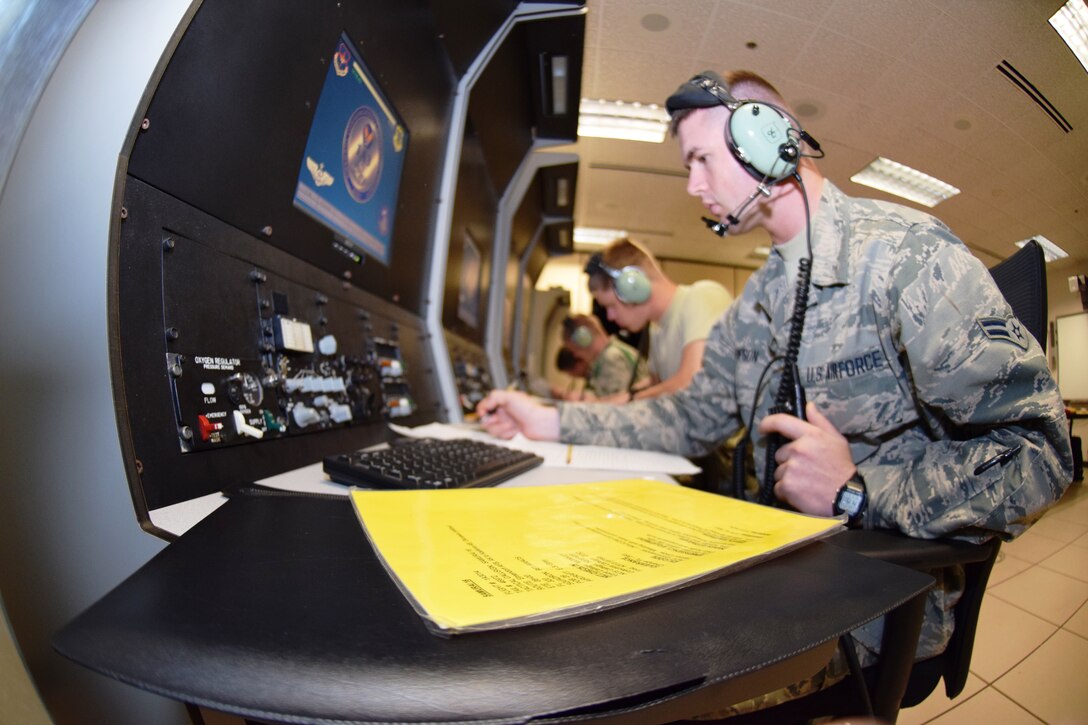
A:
(288, 360)
(234, 362)
(470, 371)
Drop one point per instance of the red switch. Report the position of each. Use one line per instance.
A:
(207, 427)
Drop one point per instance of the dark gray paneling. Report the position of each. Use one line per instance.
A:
(473, 215)
(466, 28)
(229, 121)
(202, 290)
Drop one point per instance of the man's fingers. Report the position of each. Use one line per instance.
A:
(818, 419)
(784, 424)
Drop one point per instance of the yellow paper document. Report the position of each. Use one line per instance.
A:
(478, 559)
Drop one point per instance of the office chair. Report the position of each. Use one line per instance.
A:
(900, 681)
(1022, 279)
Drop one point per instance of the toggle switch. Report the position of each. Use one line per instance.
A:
(244, 428)
(207, 427)
(304, 415)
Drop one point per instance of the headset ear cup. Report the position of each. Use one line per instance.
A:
(761, 139)
(632, 285)
(581, 336)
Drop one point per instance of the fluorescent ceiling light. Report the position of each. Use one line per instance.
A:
(1071, 22)
(595, 237)
(622, 120)
(1051, 251)
(903, 181)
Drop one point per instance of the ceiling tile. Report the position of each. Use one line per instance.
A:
(880, 78)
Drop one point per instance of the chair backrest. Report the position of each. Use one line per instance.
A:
(1022, 279)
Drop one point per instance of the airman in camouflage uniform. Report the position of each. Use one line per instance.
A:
(909, 349)
(902, 353)
(909, 352)
(615, 369)
(613, 365)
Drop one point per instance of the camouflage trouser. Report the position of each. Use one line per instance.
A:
(832, 672)
(937, 626)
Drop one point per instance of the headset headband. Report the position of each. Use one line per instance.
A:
(596, 265)
(706, 90)
(630, 284)
(764, 137)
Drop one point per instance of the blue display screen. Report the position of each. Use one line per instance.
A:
(350, 173)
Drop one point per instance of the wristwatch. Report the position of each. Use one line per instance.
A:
(851, 498)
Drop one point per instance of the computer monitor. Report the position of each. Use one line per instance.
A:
(350, 172)
(468, 293)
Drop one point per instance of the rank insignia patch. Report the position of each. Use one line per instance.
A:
(1006, 329)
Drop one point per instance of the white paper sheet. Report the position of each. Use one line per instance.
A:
(562, 455)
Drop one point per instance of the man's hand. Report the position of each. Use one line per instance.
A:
(621, 398)
(505, 413)
(814, 465)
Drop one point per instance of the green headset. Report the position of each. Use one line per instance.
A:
(580, 335)
(630, 283)
(763, 137)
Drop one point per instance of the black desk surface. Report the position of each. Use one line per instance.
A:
(276, 608)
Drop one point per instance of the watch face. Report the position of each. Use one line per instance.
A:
(850, 501)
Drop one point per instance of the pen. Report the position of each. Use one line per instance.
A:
(1003, 457)
(484, 417)
(570, 451)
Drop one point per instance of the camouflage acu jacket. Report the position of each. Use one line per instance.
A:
(914, 355)
(615, 369)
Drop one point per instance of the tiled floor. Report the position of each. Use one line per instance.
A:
(1030, 662)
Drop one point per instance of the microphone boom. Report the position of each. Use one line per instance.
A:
(721, 228)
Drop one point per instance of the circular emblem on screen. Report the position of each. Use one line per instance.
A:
(342, 60)
(362, 152)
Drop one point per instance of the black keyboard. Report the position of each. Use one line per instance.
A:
(430, 463)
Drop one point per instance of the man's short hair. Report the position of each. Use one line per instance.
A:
(743, 85)
(566, 361)
(623, 252)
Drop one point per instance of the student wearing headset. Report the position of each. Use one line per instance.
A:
(611, 367)
(577, 369)
(626, 280)
(929, 410)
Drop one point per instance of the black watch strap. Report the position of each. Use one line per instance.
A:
(852, 499)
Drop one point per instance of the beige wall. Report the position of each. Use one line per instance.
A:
(731, 278)
(1061, 302)
(566, 272)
